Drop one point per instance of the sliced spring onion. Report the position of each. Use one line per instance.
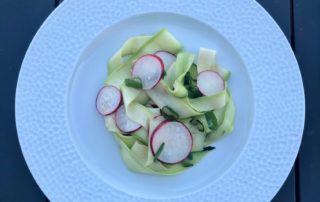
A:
(186, 164)
(211, 120)
(157, 154)
(198, 124)
(164, 74)
(194, 122)
(190, 82)
(193, 91)
(200, 127)
(191, 75)
(193, 71)
(133, 83)
(187, 79)
(190, 156)
(208, 148)
(169, 113)
(191, 86)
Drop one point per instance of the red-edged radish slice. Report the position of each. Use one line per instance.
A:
(210, 82)
(149, 68)
(124, 123)
(167, 58)
(108, 100)
(177, 141)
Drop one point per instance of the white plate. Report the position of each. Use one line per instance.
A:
(74, 158)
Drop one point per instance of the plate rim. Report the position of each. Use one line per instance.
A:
(63, 8)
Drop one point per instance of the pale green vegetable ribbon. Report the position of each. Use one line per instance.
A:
(170, 92)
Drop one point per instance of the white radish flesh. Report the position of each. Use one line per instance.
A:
(149, 68)
(124, 123)
(177, 141)
(108, 100)
(167, 58)
(210, 82)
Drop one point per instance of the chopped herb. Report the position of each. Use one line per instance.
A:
(193, 91)
(151, 104)
(164, 74)
(133, 83)
(190, 156)
(125, 134)
(190, 82)
(169, 113)
(137, 137)
(208, 148)
(211, 120)
(193, 71)
(194, 122)
(186, 164)
(187, 79)
(157, 154)
(200, 127)
(198, 124)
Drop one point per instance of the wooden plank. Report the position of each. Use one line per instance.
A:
(280, 10)
(307, 45)
(19, 21)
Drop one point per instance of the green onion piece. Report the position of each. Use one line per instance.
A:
(198, 124)
(186, 164)
(211, 120)
(208, 148)
(164, 74)
(187, 79)
(200, 127)
(194, 122)
(139, 139)
(190, 156)
(193, 91)
(191, 76)
(190, 82)
(133, 83)
(156, 156)
(169, 113)
(193, 71)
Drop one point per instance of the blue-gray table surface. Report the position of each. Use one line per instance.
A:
(298, 19)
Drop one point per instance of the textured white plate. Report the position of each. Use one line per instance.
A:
(74, 158)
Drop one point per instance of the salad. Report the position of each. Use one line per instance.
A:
(164, 106)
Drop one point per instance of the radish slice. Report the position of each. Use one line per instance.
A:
(149, 68)
(108, 100)
(210, 82)
(167, 58)
(124, 123)
(177, 141)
